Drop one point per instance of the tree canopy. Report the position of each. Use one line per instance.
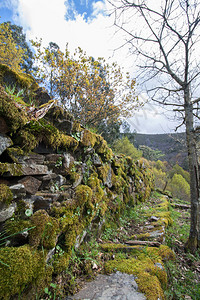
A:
(20, 40)
(11, 53)
(92, 90)
(124, 146)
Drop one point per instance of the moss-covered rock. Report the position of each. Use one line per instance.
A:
(60, 262)
(14, 226)
(150, 272)
(14, 117)
(6, 195)
(20, 80)
(88, 139)
(43, 131)
(45, 233)
(83, 194)
(8, 169)
(20, 267)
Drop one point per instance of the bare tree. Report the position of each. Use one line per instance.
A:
(165, 36)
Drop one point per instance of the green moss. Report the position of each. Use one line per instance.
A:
(22, 80)
(103, 172)
(14, 153)
(74, 174)
(51, 136)
(141, 236)
(119, 184)
(14, 117)
(112, 247)
(19, 267)
(151, 286)
(6, 195)
(67, 219)
(95, 184)
(165, 218)
(71, 234)
(26, 140)
(108, 154)
(76, 127)
(46, 230)
(166, 253)
(60, 140)
(88, 139)
(12, 169)
(150, 278)
(60, 262)
(103, 207)
(102, 148)
(83, 194)
(16, 225)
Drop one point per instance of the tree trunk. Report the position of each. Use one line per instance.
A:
(193, 241)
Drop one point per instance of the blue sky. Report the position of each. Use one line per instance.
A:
(5, 14)
(74, 8)
(82, 7)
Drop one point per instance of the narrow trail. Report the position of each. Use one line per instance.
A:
(138, 272)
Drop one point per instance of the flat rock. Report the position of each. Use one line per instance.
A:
(7, 212)
(31, 184)
(30, 159)
(34, 169)
(96, 160)
(68, 160)
(43, 201)
(118, 286)
(5, 142)
(154, 219)
(18, 190)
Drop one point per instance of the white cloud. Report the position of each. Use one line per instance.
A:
(46, 19)
(152, 120)
(98, 7)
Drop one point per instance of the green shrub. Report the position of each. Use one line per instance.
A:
(179, 187)
(160, 178)
(124, 146)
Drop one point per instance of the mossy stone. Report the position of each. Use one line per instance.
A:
(15, 118)
(6, 195)
(83, 194)
(20, 266)
(88, 139)
(10, 169)
(46, 230)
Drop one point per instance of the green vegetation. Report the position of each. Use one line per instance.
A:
(173, 179)
(150, 154)
(110, 199)
(183, 273)
(179, 187)
(124, 146)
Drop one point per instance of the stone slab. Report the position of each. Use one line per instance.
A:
(119, 286)
(5, 142)
(31, 184)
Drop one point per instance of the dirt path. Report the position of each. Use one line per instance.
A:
(142, 264)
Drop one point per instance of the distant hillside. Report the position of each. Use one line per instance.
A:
(172, 145)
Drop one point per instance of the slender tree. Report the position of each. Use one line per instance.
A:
(165, 37)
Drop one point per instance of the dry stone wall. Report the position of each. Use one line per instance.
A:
(58, 181)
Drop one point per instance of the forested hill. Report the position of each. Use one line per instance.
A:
(172, 145)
